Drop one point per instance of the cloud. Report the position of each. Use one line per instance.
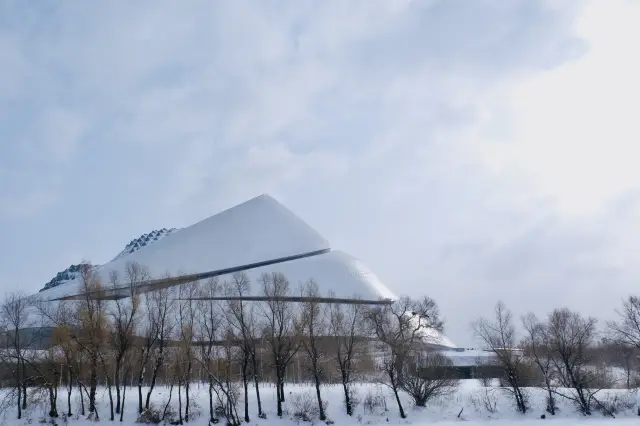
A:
(557, 148)
(448, 147)
(572, 129)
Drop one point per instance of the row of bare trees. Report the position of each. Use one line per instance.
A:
(564, 353)
(236, 338)
(211, 331)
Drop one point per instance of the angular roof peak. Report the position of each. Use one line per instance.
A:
(258, 230)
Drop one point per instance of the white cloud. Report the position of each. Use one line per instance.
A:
(436, 142)
(60, 133)
(572, 131)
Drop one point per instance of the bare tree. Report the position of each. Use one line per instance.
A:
(619, 353)
(280, 328)
(61, 316)
(60, 338)
(91, 326)
(626, 332)
(241, 320)
(161, 308)
(85, 323)
(148, 342)
(314, 325)
(629, 362)
(127, 372)
(426, 376)
(346, 325)
(14, 318)
(49, 376)
(627, 328)
(500, 337)
(208, 333)
(177, 367)
(106, 363)
(215, 335)
(401, 327)
(187, 294)
(537, 346)
(571, 337)
(124, 314)
(224, 381)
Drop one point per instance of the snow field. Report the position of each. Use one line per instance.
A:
(471, 398)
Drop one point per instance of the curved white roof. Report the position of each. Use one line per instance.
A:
(257, 230)
(258, 236)
(337, 274)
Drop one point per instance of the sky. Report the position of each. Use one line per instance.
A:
(470, 151)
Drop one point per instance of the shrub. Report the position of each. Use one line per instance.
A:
(485, 399)
(552, 406)
(305, 406)
(428, 378)
(353, 398)
(611, 404)
(152, 416)
(195, 410)
(168, 413)
(219, 410)
(372, 401)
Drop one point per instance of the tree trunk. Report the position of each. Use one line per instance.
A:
(116, 380)
(281, 382)
(186, 401)
(347, 398)
(81, 395)
(24, 385)
(402, 414)
(187, 387)
(245, 383)
(583, 401)
(53, 411)
(316, 377)
(166, 407)
(551, 406)
(180, 403)
(140, 383)
(520, 402)
(279, 396)
(124, 393)
(394, 387)
(95, 408)
(257, 382)
(154, 376)
(93, 383)
(211, 416)
(19, 391)
(69, 390)
(111, 416)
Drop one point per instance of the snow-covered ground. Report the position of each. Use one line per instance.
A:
(467, 404)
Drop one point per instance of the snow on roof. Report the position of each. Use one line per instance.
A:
(463, 357)
(336, 273)
(430, 335)
(257, 230)
(436, 338)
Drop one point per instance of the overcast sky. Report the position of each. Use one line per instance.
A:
(468, 150)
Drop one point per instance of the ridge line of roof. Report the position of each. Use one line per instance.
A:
(182, 279)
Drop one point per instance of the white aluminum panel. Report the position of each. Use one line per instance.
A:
(257, 230)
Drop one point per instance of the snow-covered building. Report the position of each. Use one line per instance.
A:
(256, 237)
